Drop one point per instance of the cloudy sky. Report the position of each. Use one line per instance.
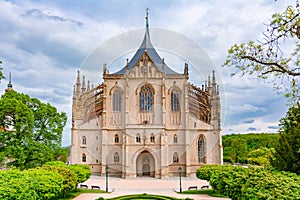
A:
(44, 43)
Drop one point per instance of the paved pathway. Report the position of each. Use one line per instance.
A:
(119, 187)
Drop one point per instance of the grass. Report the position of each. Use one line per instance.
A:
(72, 194)
(142, 197)
(209, 192)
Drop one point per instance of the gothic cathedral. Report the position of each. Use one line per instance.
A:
(146, 120)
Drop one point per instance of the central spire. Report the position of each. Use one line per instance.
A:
(146, 42)
(146, 47)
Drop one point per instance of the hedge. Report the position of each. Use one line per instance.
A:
(251, 183)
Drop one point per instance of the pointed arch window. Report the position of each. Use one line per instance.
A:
(117, 139)
(174, 101)
(117, 101)
(175, 158)
(201, 150)
(152, 138)
(146, 99)
(83, 157)
(138, 138)
(83, 141)
(175, 139)
(116, 158)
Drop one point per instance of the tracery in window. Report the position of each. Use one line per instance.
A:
(83, 141)
(116, 158)
(201, 150)
(174, 100)
(146, 99)
(117, 101)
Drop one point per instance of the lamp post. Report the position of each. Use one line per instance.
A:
(180, 188)
(106, 173)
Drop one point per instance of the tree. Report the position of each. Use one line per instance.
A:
(272, 58)
(261, 156)
(1, 73)
(238, 151)
(31, 131)
(287, 151)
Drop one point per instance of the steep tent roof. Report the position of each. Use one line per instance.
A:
(147, 47)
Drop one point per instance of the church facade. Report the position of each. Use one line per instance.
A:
(146, 120)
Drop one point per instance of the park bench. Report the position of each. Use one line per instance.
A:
(95, 187)
(204, 186)
(83, 186)
(193, 188)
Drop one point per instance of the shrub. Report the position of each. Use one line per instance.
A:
(251, 183)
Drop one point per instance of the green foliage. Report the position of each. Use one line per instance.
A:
(1, 73)
(142, 196)
(253, 142)
(261, 156)
(287, 150)
(46, 182)
(238, 151)
(33, 184)
(209, 192)
(74, 193)
(32, 130)
(267, 59)
(83, 172)
(69, 177)
(205, 171)
(252, 183)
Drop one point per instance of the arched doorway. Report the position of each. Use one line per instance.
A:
(145, 165)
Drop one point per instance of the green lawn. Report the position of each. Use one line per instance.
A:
(71, 195)
(142, 197)
(209, 192)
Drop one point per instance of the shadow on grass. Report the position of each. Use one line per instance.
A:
(209, 192)
(72, 194)
(141, 197)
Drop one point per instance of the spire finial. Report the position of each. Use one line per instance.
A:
(147, 23)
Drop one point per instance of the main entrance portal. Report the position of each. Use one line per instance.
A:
(145, 165)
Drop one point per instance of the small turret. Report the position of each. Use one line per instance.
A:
(83, 88)
(186, 70)
(215, 102)
(104, 69)
(78, 83)
(88, 86)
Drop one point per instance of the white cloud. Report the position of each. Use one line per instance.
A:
(44, 48)
(245, 108)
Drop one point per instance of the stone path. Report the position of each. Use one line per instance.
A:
(167, 187)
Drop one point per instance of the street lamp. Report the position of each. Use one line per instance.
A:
(106, 173)
(180, 188)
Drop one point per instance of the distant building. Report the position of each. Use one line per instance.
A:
(146, 120)
(9, 85)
